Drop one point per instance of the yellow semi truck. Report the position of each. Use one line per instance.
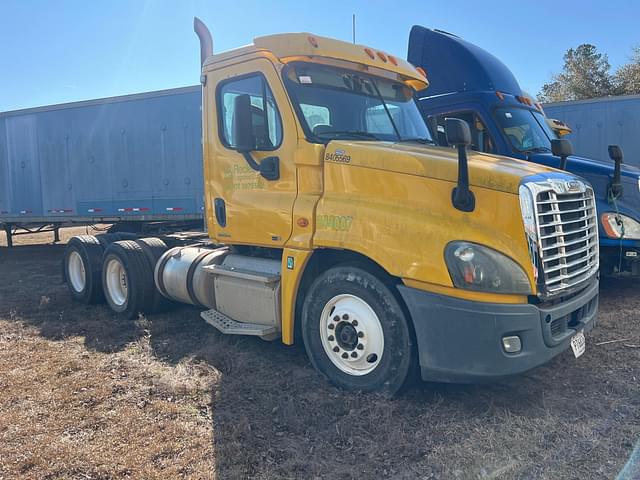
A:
(334, 220)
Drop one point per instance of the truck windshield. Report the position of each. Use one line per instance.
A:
(337, 103)
(525, 129)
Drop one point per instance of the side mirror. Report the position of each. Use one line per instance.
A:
(616, 154)
(561, 148)
(244, 139)
(242, 128)
(459, 134)
(270, 168)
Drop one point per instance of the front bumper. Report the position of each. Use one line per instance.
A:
(623, 258)
(461, 340)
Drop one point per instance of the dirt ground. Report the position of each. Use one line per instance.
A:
(85, 395)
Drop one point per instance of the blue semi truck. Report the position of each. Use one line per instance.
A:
(469, 83)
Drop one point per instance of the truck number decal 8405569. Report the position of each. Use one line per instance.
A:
(339, 156)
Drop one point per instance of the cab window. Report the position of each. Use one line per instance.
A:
(315, 115)
(526, 130)
(481, 140)
(378, 121)
(338, 103)
(266, 125)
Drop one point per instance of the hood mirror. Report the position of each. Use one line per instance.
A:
(562, 148)
(459, 135)
(616, 154)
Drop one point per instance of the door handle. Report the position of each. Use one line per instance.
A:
(220, 211)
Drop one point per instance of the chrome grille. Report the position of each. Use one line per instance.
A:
(567, 235)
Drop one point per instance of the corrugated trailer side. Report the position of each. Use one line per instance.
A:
(4, 172)
(600, 122)
(135, 158)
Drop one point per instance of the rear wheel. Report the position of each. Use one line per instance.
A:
(127, 279)
(107, 239)
(154, 248)
(356, 333)
(82, 266)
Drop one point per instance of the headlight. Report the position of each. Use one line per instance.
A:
(474, 267)
(620, 226)
(527, 207)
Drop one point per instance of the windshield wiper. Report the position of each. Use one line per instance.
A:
(386, 109)
(348, 133)
(536, 150)
(419, 140)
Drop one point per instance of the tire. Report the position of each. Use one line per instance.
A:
(82, 268)
(128, 228)
(353, 311)
(127, 279)
(154, 248)
(107, 239)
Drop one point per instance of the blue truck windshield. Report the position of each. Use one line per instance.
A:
(526, 130)
(335, 103)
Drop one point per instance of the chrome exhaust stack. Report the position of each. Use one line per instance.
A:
(206, 41)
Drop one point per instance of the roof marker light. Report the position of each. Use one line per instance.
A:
(382, 57)
(421, 71)
(369, 52)
(313, 41)
(393, 60)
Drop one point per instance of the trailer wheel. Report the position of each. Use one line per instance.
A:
(82, 265)
(127, 279)
(356, 333)
(154, 248)
(107, 239)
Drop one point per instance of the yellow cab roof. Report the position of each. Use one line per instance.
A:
(289, 47)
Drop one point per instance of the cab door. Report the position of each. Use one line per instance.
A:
(243, 205)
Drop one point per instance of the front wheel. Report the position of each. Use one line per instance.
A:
(356, 333)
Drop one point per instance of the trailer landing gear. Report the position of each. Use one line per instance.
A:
(7, 229)
(12, 230)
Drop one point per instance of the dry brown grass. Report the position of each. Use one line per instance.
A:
(72, 413)
(84, 394)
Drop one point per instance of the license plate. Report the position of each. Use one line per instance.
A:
(578, 343)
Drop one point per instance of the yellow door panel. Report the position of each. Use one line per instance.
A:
(258, 211)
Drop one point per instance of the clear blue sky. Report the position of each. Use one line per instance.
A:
(66, 50)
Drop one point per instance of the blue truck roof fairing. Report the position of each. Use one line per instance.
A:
(454, 65)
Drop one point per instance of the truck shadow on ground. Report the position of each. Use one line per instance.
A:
(275, 417)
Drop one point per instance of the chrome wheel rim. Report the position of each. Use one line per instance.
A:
(351, 334)
(117, 282)
(76, 271)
